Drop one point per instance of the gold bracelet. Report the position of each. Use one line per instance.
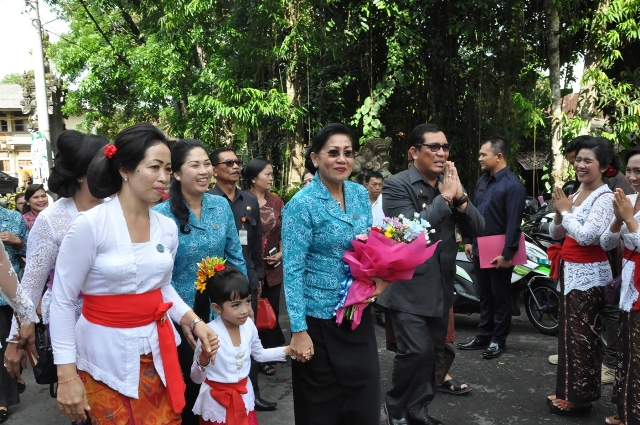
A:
(69, 380)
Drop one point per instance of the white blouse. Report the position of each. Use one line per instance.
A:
(98, 258)
(45, 238)
(11, 291)
(585, 223)
(231, 365)
(609, 241)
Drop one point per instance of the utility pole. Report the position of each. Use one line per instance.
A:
(41, 154)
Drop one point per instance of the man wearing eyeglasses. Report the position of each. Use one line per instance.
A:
(246, 212)
(419, 307)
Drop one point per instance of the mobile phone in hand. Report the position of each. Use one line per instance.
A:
(272, 251)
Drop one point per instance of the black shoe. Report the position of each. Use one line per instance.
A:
(393, 421)
(380, 321)
(4, 415)
(264, 406)
(425, 420)
(476, 343)
(495, 350)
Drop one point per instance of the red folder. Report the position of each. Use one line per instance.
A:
(490, 247)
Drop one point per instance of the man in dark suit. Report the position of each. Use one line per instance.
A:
(419, 307)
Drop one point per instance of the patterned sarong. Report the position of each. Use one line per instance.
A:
(626, 389)
(109, 407)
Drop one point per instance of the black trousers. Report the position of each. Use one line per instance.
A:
(420, 341)
(610, 334)
(253, 372)
(494, 291)
(340, 385)
(8, 386)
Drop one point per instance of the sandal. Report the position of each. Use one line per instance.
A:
(563, 409)
(451, 386)
(612, 420)
(267, 369)
(4, 415)
(21, 386)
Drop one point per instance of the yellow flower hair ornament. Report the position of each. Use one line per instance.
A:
(207, 269)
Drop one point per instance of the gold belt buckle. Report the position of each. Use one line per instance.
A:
(164, 318)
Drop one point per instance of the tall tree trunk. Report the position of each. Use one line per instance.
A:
(294, 92)
(296, 147)
(586, 108)
(553, 59)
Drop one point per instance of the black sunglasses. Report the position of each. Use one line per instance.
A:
(334, 153)
(229, 163)
(435, 147)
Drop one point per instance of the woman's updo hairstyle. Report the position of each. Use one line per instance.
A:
(131, 145)
(179, 155)
(227, 285)
(31, 190)
(320, 139)
(627, 156)
(252, 169)
(605, 154)
(75, 152)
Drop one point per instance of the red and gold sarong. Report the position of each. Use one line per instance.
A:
(109, 407)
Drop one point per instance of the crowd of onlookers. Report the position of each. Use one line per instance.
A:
(136, 223)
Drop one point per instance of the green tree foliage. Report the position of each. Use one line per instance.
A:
(264, 75)
(14, 78)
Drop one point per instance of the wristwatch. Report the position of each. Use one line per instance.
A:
(461, 200)
(563, 213)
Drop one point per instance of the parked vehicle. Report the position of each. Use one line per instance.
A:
(8, 184)
(530, 281)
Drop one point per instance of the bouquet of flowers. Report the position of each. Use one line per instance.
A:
(391, 252)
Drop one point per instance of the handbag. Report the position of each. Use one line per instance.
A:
(613, 287)
(265, 317)
(45, 370)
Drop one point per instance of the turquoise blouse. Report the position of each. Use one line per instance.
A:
(12, 222)
(315, 235)
(214, 235)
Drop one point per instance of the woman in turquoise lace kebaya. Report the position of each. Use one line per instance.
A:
(206, 228)
(336, 378)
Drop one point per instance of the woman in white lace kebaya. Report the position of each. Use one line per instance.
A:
(626, 388)
(68, 180)
(582, 267)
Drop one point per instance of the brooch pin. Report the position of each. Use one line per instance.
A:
(356, 216)
(248, 208)
(240, 360)
(216, 227)
(160, 248)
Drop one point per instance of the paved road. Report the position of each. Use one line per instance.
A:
(508, 390)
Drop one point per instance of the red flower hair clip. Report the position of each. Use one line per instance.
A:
(110, 151)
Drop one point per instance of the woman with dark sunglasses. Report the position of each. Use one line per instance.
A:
(336, 373)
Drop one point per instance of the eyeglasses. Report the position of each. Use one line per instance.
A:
(334, 153)
(435, 147)
(21, 203)
(230, 162)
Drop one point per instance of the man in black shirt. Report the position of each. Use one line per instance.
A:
(500, 198)
(246, 211)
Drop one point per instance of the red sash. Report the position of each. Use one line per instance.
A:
(135, 310)
(629, 256)
(572, 252)
(229, 395)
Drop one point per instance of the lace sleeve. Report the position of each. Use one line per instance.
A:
(13, 293)
(556, 231)
(595, 225)
(609, 240)
(41, 258)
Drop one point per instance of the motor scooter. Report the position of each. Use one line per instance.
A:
(530, 281)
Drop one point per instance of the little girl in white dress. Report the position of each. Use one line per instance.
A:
(226, 395)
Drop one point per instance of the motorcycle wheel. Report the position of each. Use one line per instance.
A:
(543, 315)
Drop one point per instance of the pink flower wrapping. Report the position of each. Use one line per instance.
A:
(380, 256)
